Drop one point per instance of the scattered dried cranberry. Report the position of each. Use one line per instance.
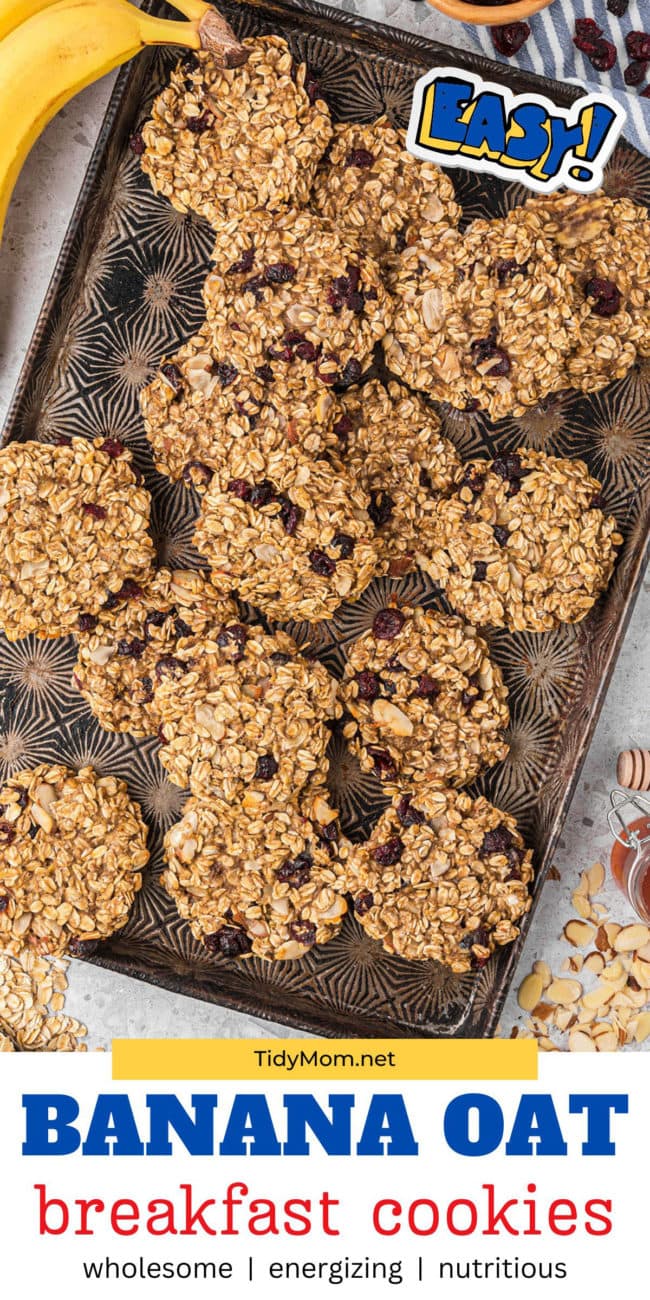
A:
(236, 635)
(113, 447)
(500, 840)
(280, 273)
(618, 7)
(296, 871)
(509, 468)
(262, 493)
(228, 942)
(597, 502)
(197, 125)
(321, 563)
(486, 351)
(197, 474)
(156, 618)
(304, 932)
(473, 693)
(243, 263)
(160, 735)
(4, 902)
(427, 687)
(637, 45)
(507, 267)
(95, 512)
(133, 649)
(360, 158)
(363, 903)
(501, 534)
(480, 571)
(265, 373)
(172, 376)
(386, 855)
(645, 94)
(256, 287)
(351, 373)
(475, 938)
(137, 144)
(344, 543)
(368, 685)
(635, 74)
(587, 34)
(606, 296)
(87, 622)
(240, 488)
(279, 657)
(128, 591)
(383, 764)
(408, 815)
(181, 628)
(387, 624)
(62, 440)
(604, 56)
(146, 684)
(266, 767)
(308, 351)
(473, 480)
(7, 834)
(290, 515)
(509, 38)
(226, 373)
(170, 666)
(328, 377)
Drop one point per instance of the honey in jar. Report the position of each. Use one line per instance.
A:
(630, 857)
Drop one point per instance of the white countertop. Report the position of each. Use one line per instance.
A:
(114, 1006)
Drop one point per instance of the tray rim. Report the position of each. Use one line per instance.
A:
(405, 47)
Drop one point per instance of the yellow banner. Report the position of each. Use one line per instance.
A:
(349, 1058)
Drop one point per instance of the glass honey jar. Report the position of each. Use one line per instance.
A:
(630, 857)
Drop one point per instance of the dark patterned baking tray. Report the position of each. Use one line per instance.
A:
(126, 291)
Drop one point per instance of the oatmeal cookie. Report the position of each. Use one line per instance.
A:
(121, 650)
(73, 527)
(390, 443)
(605, 244)
(244, 715)
(380, 195)
(296, 542)
(198, 407)
(443, 877)
(523, 543)
(72, 849)
(426, 702)
(260, 883)
(294, 292)
(222, 142)
(484, 319)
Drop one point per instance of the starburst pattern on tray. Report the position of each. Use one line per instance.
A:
(127, 297)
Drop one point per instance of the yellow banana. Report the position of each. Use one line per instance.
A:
(15, 12)
(64, 47)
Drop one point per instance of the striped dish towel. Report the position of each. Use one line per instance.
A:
(550, 52)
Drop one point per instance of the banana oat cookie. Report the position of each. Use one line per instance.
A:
(244, 715)
(73, 528)
(379, 194)
(296, 542)
(484, 319)
(260, 883)
(523, 543)
(293, 292)
(390, 442)
(426, 702)
(122, 652)
(198, 407)
(72, 849)
(605, 244)
(222, 142)
(443, 877)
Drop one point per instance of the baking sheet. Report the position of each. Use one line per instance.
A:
(126, 291)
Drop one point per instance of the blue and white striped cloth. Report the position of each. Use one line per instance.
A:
(550, 51)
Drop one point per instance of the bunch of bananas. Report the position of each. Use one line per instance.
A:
(50, 49)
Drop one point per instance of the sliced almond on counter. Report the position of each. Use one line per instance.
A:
(630, 937)
(581, 905)
(530, 991)
(542, 969)
(578, 933)
(580, 1042)
(595, 962)
(595, 878)
(563, 991)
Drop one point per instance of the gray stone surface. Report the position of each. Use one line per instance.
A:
(113, 1006)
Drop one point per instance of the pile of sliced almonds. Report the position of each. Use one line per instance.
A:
(32, 997)
(614, 1010)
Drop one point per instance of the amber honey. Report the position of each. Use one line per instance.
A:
(630, 866)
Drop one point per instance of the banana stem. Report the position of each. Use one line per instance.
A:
(206, 30)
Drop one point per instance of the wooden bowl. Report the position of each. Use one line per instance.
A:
(489, 15)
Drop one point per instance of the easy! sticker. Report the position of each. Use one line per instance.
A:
(459, 120)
